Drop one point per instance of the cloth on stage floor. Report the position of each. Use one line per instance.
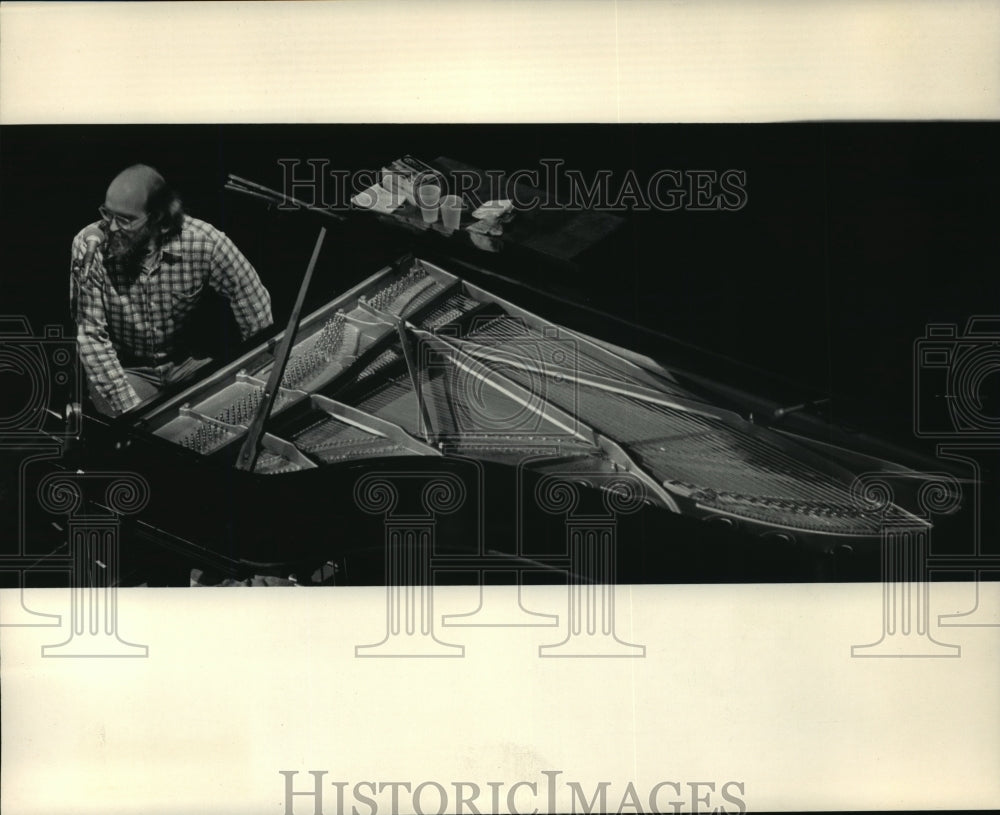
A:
(208, 578)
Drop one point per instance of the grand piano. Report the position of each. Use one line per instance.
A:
(419, 373)
(422, 375)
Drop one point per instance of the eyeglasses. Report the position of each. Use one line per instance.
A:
(127, 222)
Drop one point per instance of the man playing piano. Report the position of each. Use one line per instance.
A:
(137, 276)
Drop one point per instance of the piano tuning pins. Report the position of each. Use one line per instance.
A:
(302, 366)
(249, 405)
(332, 334)
(241, 410)
(383, 298)
(205, 438)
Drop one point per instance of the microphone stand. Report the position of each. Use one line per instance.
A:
(81, 274)
(241, 185)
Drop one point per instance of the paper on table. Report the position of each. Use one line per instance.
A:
(378, 198)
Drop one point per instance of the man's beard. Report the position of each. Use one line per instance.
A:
(127, 248)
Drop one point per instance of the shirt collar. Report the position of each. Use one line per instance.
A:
(171, 249)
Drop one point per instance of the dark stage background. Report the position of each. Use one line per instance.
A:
(853, 237)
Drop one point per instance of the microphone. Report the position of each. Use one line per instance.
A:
(93, 237)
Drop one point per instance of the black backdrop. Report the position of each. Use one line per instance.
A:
(853, 237)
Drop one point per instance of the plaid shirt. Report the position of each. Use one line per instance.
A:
(125, 318)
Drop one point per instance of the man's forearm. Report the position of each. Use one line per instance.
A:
(105, 373)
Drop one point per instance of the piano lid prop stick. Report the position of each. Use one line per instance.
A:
(251, 445)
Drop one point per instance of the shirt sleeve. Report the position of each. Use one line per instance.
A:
(232, 276)
(100, 360)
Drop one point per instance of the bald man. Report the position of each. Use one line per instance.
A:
(133, 302)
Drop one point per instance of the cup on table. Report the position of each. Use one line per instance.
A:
(451, 211)
(428, 197)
